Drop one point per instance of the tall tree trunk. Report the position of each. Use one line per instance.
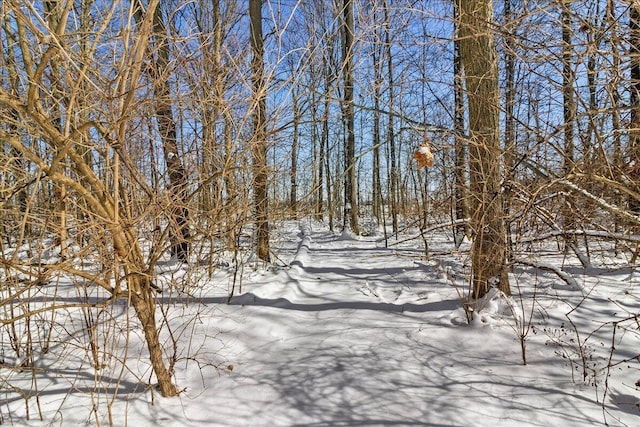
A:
(569, 115)
(324, 160)
(460, 149)
(634, 86)
(393, 169)
(294, 157)
(324, 136)
(327, 168)
(479, 57)
(315, 143)
(259, 142)
(53, 12)
(377, 183)
(592, 159)
(20, 161)
(178, 183)
(509, 127)
(231, 209)
(614, 96)
(211, 156)
(350, 187)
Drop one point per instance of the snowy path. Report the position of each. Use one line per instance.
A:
(356, 334)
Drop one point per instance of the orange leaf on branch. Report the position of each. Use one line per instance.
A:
(423, 155)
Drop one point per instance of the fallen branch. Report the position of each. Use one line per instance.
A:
(566, 277)
(587, 233)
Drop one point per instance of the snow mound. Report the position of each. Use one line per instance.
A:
(302, 253)
(494, 308)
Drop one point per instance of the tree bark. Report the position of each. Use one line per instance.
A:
(259, 143)
(350, 187)
(634, 85)
(460, 149)
(178, 182)
(144, 306)
(509, 126)
(569, 115)
(377, 183)
(614, 95)
(293, 199)
(478, 56)
(393, 168)
(212, 158)
(53, 12)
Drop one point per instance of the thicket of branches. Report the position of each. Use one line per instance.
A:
(132, 131)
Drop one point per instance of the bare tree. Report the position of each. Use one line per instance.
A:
(460, 151)
(259, 140)
(293, 198)
(211, 26)
(634, 83)
(569, 114)
(509, 126)
(478, 55)
(348, 117)
(377, 140)
(108, 213)
(613, 94)
(178, 181)
(391, 137)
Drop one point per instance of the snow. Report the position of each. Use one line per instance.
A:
(346, 331)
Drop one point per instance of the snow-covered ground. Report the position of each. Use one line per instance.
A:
(346, 332)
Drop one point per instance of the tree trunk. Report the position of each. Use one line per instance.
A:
(324, 136)
(20, 161)
(592, 159)
(634, 125)
(53, 12)
(327, 168)
(569, 115)
(324, 175)
(293, 199)
(259, 143)
(614, 96)
(377, 183)
(178, 183)
(478, 55)
(509, 126)
(213, 161)
(144, 306)
(350, 187)
(393, 169)
(460, 151)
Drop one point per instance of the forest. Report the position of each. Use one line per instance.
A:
(169, 170)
